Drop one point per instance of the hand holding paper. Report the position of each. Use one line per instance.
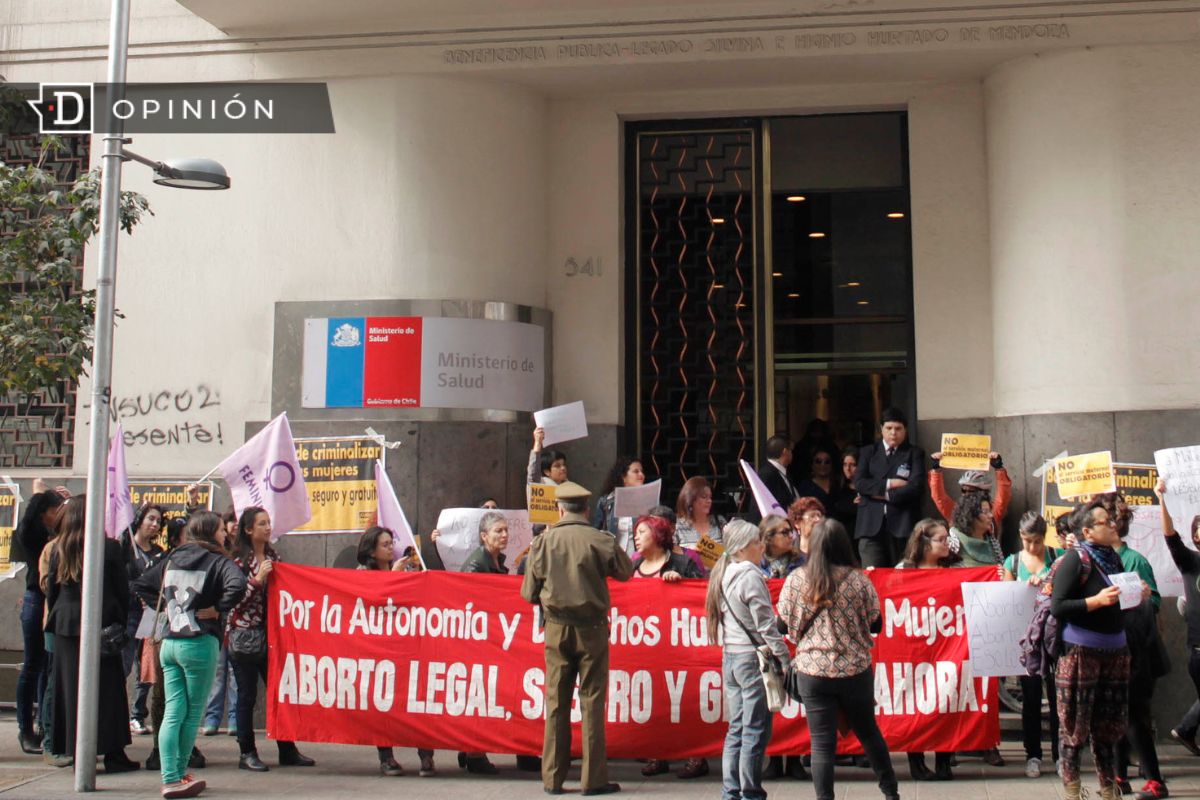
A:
(1130, 586)
(562, 423)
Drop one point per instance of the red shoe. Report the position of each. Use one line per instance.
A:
(1153, 790)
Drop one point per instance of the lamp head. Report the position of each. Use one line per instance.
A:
(192, 173)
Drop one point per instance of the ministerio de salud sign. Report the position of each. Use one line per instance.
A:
(422, 362)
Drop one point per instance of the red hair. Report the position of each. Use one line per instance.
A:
(797, 509)
(660, 528)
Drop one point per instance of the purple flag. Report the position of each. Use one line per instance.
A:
(265, 472)
(391, 515)
(118, 511)
(767, 504)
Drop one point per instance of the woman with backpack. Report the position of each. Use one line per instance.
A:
(1092, 677)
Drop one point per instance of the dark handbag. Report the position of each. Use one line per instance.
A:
(247, 644)
(113, 639)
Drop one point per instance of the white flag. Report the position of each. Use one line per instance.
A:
(391, 515)
(118, 511)
(265, 472)
(767, 504)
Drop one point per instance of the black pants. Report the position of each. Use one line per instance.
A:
(1139, 735)
(248, 674)
(1032, 689)
(878, 550)
(1191, 720)
(854, 697)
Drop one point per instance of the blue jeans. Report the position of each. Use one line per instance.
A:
(31, 683)
(749, 728)
(225, 681)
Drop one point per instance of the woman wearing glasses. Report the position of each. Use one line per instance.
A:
(1092, 678)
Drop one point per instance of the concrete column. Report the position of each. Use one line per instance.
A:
(1094, 204)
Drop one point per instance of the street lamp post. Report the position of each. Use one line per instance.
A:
(190, 174)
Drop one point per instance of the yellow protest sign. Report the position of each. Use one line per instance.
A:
(1085, 474)
(709, 551)
(966, 451)
(10, 507)
(339, 474)
(543, 504)
(169, 495)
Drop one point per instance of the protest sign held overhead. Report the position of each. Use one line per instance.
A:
(966, 451)
(1085, 474)
(454, 661)
(1180, 468)
(265, 472)
(562, 423)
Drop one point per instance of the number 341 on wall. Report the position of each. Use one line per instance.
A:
(590, 266)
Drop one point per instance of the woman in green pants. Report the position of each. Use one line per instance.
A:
(190, 587)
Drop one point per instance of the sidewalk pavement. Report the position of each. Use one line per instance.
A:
(348, 771)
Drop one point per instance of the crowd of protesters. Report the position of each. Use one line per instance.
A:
(187, 611)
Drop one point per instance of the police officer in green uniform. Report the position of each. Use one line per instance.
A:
(567, 573)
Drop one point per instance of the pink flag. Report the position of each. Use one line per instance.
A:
(767, 504)
(265, 472)
(391, 515)
(118, 511)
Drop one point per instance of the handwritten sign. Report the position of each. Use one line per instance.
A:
(458, 535)
(1180, 468)
(1130, 584)
(966, 451)
(1085, 474)
(634, 501)
(543, 503)
(1145, 536)
(709, 551)
(998, 614)
(562, 423)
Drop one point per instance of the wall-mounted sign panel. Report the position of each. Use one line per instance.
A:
(422, 362)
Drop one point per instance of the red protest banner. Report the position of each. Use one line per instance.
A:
(455, 661)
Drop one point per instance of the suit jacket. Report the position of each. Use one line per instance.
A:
(900, 511)
(65, 600)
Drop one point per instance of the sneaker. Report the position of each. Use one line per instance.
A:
(1153, 790)
(993, 758)
(1189, 742)
(211, 730)
(183, 788)
(1033, 768)
(427, 768)
(138, 728)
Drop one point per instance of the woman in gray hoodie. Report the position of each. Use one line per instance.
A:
(738, 602)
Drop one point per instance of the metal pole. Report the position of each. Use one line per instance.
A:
(97, 486)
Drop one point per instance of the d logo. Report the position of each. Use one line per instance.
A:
(65, 107)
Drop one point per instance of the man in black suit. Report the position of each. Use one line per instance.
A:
(774, 474)
(890, 480)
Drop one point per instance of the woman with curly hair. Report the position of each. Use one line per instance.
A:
(627, 472)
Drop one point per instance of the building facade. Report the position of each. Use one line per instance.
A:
(1008, 194)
